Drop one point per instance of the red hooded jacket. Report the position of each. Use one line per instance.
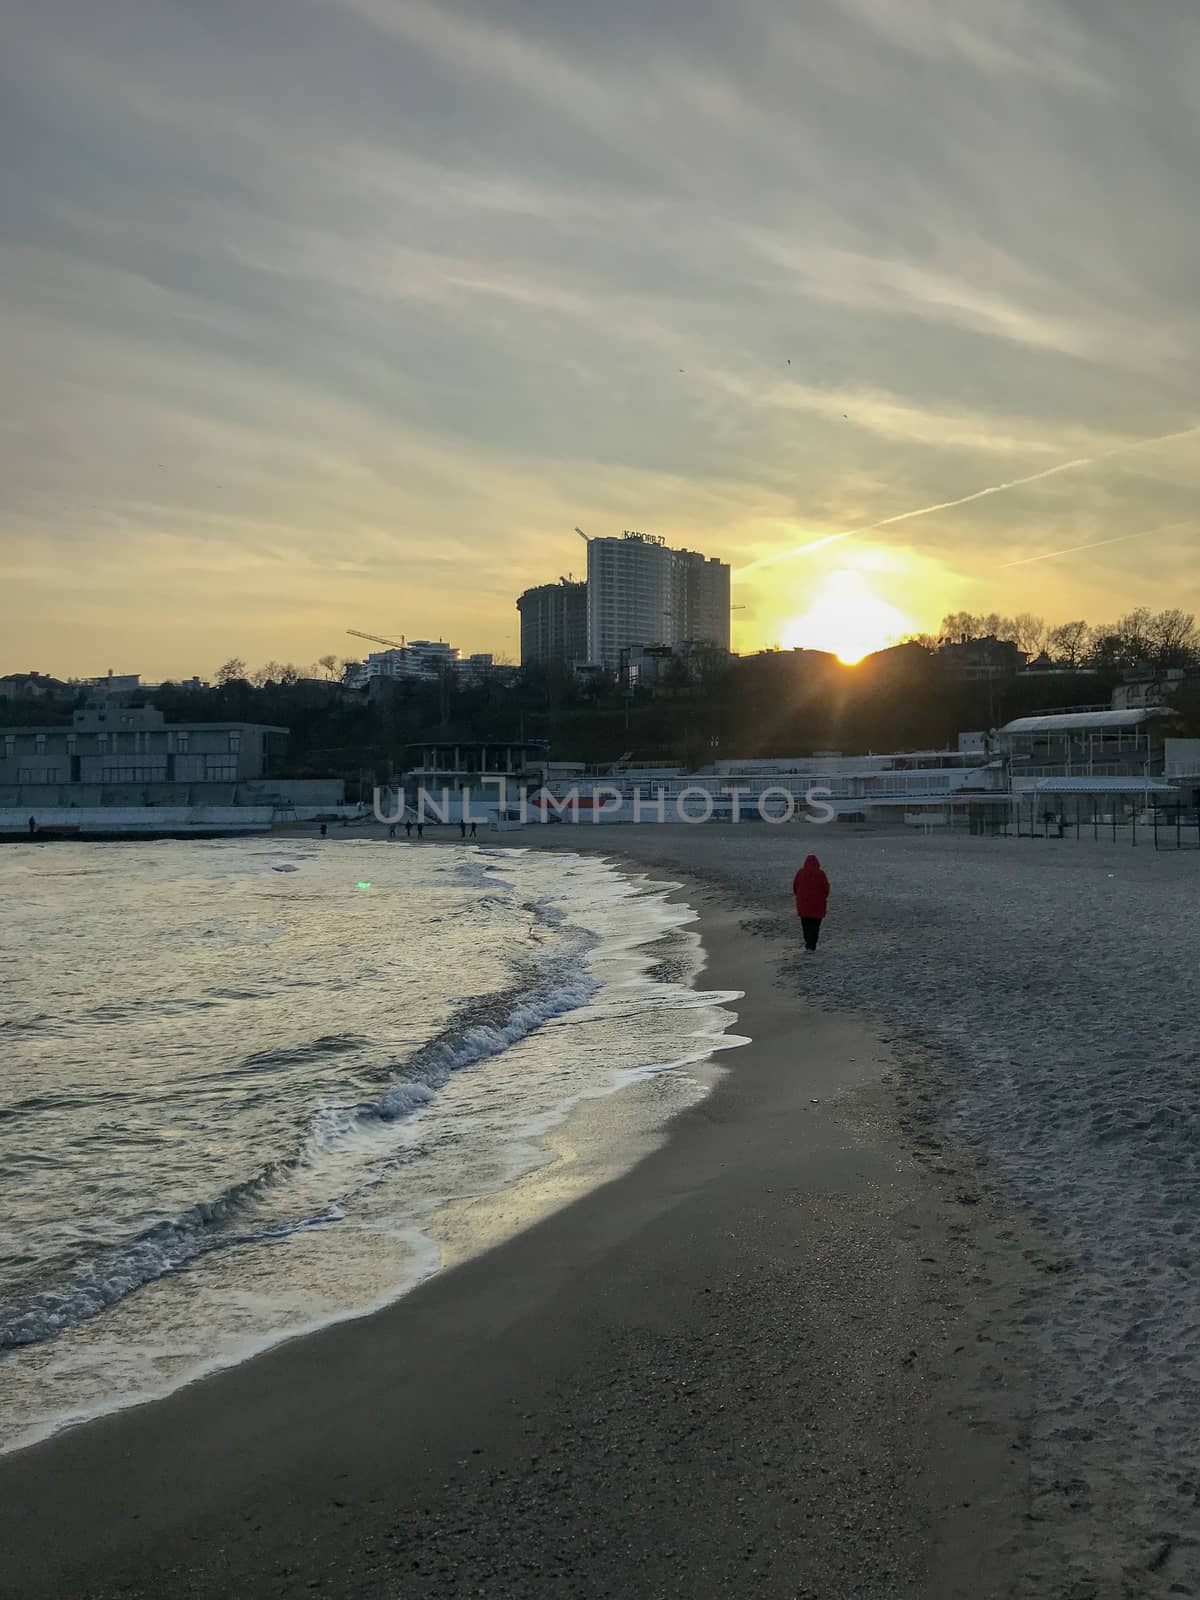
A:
(811, 888)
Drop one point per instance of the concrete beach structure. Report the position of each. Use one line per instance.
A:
(122, 758)
(1087, 742)
(107, 746)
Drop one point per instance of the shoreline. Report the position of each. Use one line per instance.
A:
(534, 1169)
(759, 1341)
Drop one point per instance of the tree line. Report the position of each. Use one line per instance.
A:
(1141, 638)
(777, 702)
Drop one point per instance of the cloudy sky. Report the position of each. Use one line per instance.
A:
(323, 314)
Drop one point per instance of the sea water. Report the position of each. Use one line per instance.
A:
(240, 1080)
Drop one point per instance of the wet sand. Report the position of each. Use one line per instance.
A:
(764, 1362)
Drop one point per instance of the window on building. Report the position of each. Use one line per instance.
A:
(220, 774)
(235, 743)
(39, 743)
(39, 775)
(133, 775)
(181, 744)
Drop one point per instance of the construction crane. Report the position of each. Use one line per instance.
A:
(393, 644)
(583, 535)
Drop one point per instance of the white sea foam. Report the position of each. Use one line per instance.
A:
(410, 1021)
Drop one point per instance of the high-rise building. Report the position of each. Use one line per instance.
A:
(640, 592)
(704, 605)
(554, 624)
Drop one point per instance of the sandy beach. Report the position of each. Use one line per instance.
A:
(873, 1320)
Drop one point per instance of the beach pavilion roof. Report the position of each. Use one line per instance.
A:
(1134, 786)
(1086, 721)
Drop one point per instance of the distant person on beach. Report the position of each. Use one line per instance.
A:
(408, 827)
(32, 826)
(324, 829)
(420, 830)
(473, 833)
(392, 831)
(462, 828)
(811, 888)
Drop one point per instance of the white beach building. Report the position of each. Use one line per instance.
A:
(1095, 765)
(928, 787)
(1088, 742)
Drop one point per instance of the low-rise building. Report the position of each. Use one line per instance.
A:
(1142, 689)
(668, 668)
(926, 786)
(976, 660)
(1085, 742)
(115, 683)
(31, 686)
(108, 746)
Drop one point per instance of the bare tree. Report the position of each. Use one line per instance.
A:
(1068, 642)
(1105, 647)
(994, 626)
(1134, 631)
(269, 672)
(1174, 639)
(960, 626)
(1029, 632)
(330, 666)
(233, 671)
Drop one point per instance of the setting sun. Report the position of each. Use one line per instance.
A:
(847, 618)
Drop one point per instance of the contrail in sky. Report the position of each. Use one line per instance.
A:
(1073, 549)
(966, 499)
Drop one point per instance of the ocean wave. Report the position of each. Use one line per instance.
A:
(463, 1047)
(115, 1272)
(35, 1024)
(328, 1044)
(483, 1029)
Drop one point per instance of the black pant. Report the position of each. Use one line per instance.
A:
(811, 927)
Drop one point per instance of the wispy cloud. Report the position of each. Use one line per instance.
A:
(370, 291)
(1076, 464)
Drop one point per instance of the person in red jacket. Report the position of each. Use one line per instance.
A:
(811, 888)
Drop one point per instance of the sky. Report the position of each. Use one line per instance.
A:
(330, 314)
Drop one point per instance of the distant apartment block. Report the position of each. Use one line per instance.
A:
(112, 745)
(554, 624)
(420, 660)
(641, 592)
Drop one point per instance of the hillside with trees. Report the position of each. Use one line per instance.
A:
(776, 702)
